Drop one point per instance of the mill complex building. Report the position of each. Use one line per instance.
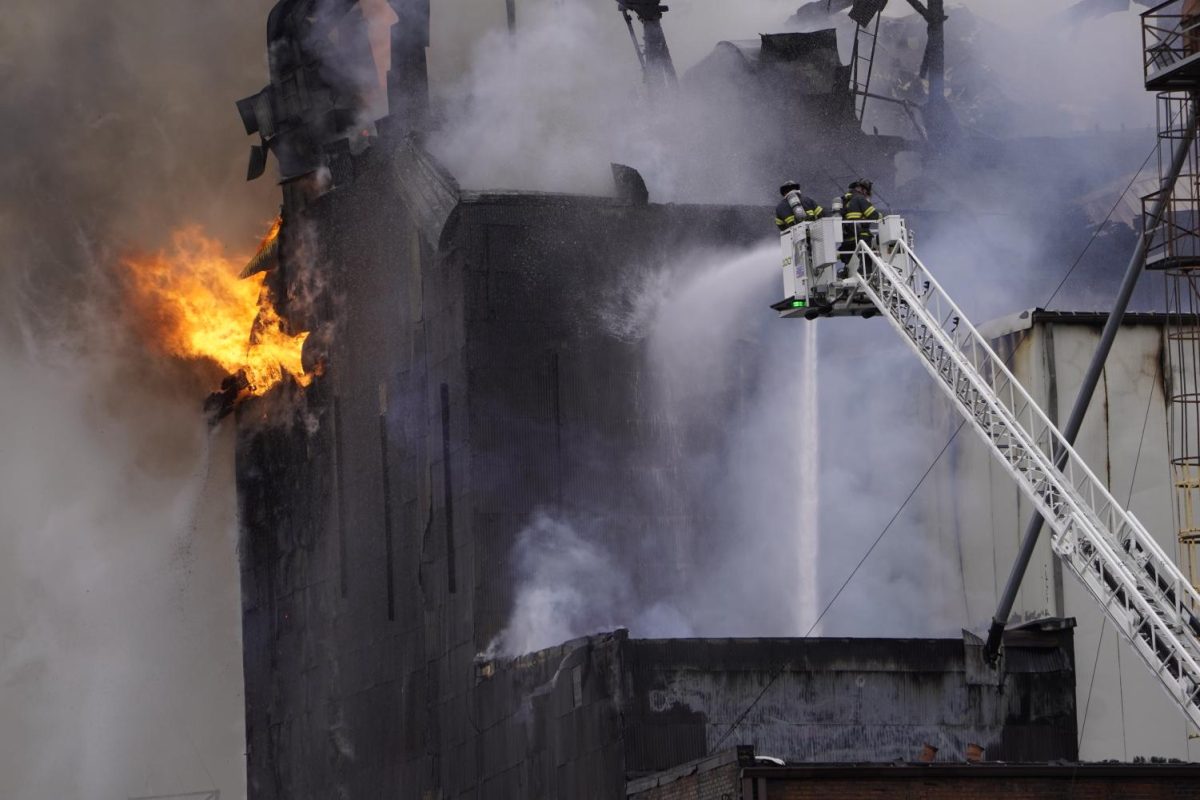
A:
(468, 378)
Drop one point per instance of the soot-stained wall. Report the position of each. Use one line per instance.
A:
(474, 376)
(471, 379)
(582, 718)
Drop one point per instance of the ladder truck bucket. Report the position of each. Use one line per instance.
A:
(792, 243)
(821, 269)
(1141, 590)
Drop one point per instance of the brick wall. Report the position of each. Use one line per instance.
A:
(932, 788)
(716, 784)
(734, 775)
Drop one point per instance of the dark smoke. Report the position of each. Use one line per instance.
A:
(998, 217)
(118, 607)
(119, 129)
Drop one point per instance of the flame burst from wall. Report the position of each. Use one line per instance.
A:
(194, 306)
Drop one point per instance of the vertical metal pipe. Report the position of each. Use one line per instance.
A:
(408, 78)
(510, 7)
(939, 119)
(658, 55)
(1090, 380)
(935, 59)
(448, 494)
(385, 473)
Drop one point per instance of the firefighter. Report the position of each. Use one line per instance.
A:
(795, 207)
(857, 211)
(849, 192)
(839, 203)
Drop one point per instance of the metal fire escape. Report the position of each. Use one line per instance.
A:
(1171, 49)
(939, 122)
(1146, 597)
(866, 15)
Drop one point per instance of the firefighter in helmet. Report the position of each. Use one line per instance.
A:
(795, 207)
(858, 211)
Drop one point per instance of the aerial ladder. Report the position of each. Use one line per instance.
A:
(1139, 587)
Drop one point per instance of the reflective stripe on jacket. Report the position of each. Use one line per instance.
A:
(859, 209)
(785, 216)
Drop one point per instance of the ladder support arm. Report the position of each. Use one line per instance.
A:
(1141, 590)
(1088, 388)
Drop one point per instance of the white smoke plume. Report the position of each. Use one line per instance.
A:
(1067, 73)
(119, 636)
(120, 651)
(520, 119)
(535, 113)
(783, 498)
(570, 586)
(552, 107)
(119, 659)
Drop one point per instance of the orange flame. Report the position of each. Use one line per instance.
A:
(196, 307)
(272, 233)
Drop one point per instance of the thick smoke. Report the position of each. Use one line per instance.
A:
(562, 572)
(518, 122)
(552, 107)
(748, 568)
(772, 512)
(120, 658)
(997, 217)
(120, 654)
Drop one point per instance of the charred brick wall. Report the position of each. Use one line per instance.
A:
(994, 786)
(849, 700)
(920, 782)
(721, 783)
(471, 379)
(657, 711)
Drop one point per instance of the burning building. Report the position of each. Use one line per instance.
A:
(488, 392)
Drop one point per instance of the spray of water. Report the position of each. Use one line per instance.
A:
(738, 394)
(809, 556)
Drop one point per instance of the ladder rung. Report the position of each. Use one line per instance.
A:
(1137, 584)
